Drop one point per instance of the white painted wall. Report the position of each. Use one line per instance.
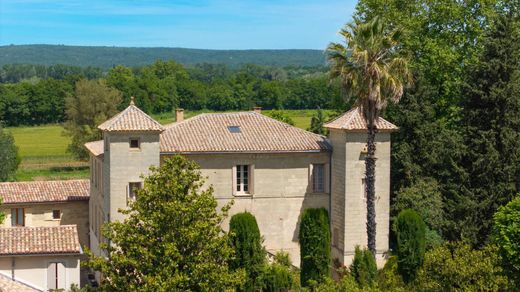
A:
(32, 270)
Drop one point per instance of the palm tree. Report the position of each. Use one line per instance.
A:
(370, 70)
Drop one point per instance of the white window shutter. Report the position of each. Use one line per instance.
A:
(311, 182)
(252, 179)
(61, 277)
(51, 276)
(234, 180)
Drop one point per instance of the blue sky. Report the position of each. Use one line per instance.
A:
(207, 24)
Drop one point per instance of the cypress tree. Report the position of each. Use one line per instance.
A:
(492, 126)
(411, 243)
(249, 252)
(364, 267)
(314, 240)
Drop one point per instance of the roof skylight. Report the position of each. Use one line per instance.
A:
(234, 129)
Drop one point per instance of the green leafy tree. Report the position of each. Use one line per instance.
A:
(250, 255)
(281, 116)
(411, 244)
(280, 276)
(363, 267)
(491, 121)
(369, 70)
(2, 214)
(317, 121)
(425, 197)
(506, 234)
(92, 104)
(314, 238)
(9, 159)
(171, 239)
(455, 266)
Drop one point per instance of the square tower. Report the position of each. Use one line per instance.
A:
(131, 142)
(348, 136)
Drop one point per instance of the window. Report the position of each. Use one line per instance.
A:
(242, 183)
(56, 214)
(132, 189)
(17, 217)
(134, 143)
(318, 178)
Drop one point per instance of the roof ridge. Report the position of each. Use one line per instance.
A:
(117, 118)
(291, 126)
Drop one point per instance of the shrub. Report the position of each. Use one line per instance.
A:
(314, 246)
(506, 233)
(411, 232)
(280, 276)
(363, 267)
(389, 278)
(456, 266)
(247, 243)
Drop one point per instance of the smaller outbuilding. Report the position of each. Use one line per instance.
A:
(41, 258)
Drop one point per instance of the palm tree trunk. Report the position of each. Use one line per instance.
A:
(370, 179)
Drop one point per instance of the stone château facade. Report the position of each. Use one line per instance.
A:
(267, 167)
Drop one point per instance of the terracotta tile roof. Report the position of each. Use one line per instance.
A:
(9, 285)
(95, 147)
(238, 132)
(353, 120)
(39, 240)
(44, 191)
(131, 119)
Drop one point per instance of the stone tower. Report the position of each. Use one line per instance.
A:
(348, 135)
(131, 146)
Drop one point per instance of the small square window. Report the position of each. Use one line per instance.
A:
(134, 143)
(56, 214)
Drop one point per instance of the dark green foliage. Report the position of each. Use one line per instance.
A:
(249, 253)
(282, 117)
(506, 235)
(423, 196)
(314, 238)
(107, 57)
(411, 230)
(317, 122)
(364, 267)
(491, 121)
(9, 159)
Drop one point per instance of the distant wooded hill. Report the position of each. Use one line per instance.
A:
(107, 57)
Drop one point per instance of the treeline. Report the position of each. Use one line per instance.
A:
(34, 94)
(107, 57)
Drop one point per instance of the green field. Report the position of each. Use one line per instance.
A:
(43, 149)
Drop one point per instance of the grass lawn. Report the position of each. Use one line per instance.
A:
(44, 155)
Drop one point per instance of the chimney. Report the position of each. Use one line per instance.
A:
(257, 109)
(179, 115)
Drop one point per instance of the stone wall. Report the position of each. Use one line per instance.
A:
(281, 191)
(349, 194)
(40, 215)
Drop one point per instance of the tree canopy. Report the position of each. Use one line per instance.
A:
(172, 238)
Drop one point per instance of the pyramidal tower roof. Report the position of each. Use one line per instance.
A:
(131, 119)
(353, 120)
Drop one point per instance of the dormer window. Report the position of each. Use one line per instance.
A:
(135, 144)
